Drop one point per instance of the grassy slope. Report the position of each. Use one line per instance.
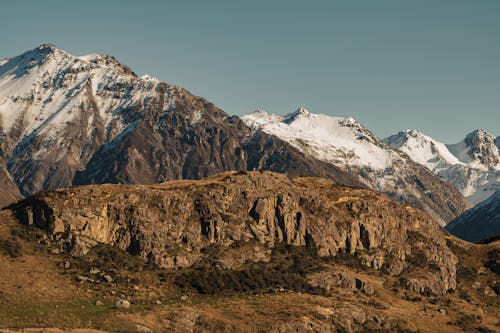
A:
(36, 292)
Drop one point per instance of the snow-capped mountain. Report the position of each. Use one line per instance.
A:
(479, 223)
(346, 143)
(67, 120)
(472, 165)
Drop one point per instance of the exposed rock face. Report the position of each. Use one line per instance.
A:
(481, 147)
(479, 223)
(340, 278)
(169, 224)
(67, 120)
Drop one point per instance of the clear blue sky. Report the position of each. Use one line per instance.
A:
(433, 65)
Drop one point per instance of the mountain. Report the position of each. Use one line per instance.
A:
(8, 190)
(67, 120)
(346, 143)
(472, 165)
(479, 223)
(239, 252)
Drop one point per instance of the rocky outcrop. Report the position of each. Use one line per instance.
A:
(340, 278)
(170, 224)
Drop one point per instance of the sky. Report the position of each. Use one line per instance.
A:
(431, 65)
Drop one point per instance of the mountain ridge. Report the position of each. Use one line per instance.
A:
(479, 223)
(472, 164)
(69, 120)
(345, 142)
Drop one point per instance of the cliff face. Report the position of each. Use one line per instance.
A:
(171, 224)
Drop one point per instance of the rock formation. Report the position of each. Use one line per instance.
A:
(170, 224)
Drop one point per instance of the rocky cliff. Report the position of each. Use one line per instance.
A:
(172, 224)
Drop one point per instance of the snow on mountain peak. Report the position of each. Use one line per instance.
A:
(43, 89)
(422, 148)
(341, 140)
(477, 149)
(300, 113)
(472, 165)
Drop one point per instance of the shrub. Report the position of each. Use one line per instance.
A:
(287, 269)
(10, 247)
(108, 258)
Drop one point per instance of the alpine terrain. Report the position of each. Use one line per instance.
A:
(344, 142)
(239, 252)
(472, 165)
(67, 120)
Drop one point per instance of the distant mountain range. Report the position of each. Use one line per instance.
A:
(68, 120)
(344, 142)
(472, 165)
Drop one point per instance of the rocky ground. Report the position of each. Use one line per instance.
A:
(253, 252)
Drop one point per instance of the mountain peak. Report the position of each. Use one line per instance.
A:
(300, 113)
(47, 46)
(479, 148)
(44, 50)
(480, 135)
(21, 64)
(412, 132)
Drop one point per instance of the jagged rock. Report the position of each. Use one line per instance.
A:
(482, 271)
(427, 285)
(107, 278)
(489, 292)
(65, 264)
(143, 329)
(169, 224)
(122, 304)
(83, 279)
(330, 279)
(94, 270)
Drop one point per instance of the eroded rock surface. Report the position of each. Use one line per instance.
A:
(170, 224)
